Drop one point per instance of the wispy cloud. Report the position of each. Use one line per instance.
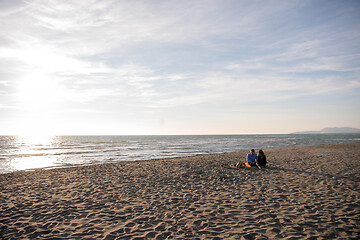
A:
(112, 55)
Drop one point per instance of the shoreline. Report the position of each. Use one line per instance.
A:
(61, 151)
(167, 158)
(305, 193)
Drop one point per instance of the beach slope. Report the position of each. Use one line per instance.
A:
(306, 193)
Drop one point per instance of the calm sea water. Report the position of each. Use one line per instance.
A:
(17, 153)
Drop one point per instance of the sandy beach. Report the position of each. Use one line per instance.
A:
(305, 193)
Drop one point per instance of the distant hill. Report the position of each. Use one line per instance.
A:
(332, 130)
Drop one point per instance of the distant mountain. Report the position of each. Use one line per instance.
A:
(332, 130)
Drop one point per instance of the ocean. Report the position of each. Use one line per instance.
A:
(20, 153)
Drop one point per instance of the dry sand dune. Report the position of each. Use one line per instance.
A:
(305, 193)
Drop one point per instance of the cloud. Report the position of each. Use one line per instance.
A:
(93, 27)
(104, 56)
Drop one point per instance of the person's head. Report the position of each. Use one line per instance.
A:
(261, 152)
(252, 151)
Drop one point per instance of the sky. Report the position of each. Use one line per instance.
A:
(113, 67)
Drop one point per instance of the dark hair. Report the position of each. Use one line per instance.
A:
(252, 150)
(261, 152)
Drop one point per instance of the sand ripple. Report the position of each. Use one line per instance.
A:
(305, 193)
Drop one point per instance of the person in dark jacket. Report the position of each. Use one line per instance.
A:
(261, 161)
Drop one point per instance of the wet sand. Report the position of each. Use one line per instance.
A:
(305, 193)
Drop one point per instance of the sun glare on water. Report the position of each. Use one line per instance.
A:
(32, 152)
(37, 139)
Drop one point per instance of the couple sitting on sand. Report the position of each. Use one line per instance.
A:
(253, 160)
